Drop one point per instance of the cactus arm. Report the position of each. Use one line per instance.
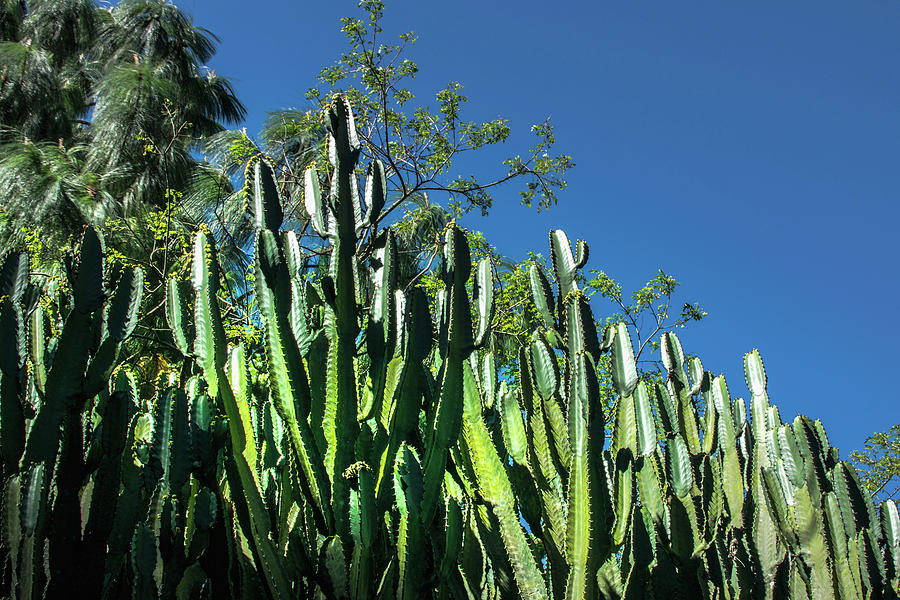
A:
(36, 349)
(860, 500)
(546, 476)
(87, 284)
(210, 349)
(287, 373)
(121, 319)
(673, 359)
(178, 315)
(411, 382)
(376, 191)
(624, 370)
(484, 299)
(712, 499)
(449, 408)
(12, 424)
(563, 262)
(131, 504)
(546, 371)
(890, 525)
(126, 301)
(721, 399)
(14, 273)
(65, 391)
(209, 335)
(312, 198)
(546, 385)
(266, 204)
(678, 462)
(665, 410)
(494, 487)
(342, 404)
(543, 296)
(807, 520)
(68, 368)
(650, 487)
(581, 254)
(64, 530)
(623, 505)
(684, 532)
(361, 566)
(381, 330)
(837, 539)
(625, 425)
(448, 570)
(247, 486)
(28, 513)
(872, 567)
(578, 522)
(408, 489)
(143, 563)
(12, 415)
(733, 486)
(646, 428)
(512, 426)
(13, 277)
(709, 429)
(236, 375)
(488, 381)
(687, 416)
(699, 378)
(181, 459)
(769, 550)
(105, 494)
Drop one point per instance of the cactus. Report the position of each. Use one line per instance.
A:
(366, 447)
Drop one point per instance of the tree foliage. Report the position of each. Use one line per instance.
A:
(878, 463)
(102, 109)
(417, 142)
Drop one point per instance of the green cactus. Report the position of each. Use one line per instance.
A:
(13, 280)
(367, 448)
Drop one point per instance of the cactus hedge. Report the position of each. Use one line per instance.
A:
(375, 453)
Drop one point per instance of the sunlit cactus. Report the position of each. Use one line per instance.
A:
(367, 448)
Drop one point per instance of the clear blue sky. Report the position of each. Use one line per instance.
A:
(751, 151)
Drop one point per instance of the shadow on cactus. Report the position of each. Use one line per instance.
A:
(375, 452)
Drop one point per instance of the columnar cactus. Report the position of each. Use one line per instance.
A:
(366, 447)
